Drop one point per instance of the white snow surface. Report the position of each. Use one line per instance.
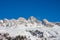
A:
(23, 30)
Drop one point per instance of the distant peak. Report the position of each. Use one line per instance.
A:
(45, 20)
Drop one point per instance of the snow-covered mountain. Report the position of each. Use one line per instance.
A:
(31, 29)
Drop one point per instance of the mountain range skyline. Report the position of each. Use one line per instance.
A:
(49, 9)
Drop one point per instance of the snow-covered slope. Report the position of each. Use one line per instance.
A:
(31, 29)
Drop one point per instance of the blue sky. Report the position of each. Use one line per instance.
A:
(49, 9)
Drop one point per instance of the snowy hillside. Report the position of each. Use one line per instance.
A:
(31, 29)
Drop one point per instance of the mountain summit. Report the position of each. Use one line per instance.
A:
(32, 20)
(29, 29)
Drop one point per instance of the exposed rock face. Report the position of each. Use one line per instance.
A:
(5, 36)
(6, 22)
(36, 33)
(13, 22)
(34, 20)
(1, 22)
(22, 20)
(47, 23)
(57, 23)
(20, 29)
